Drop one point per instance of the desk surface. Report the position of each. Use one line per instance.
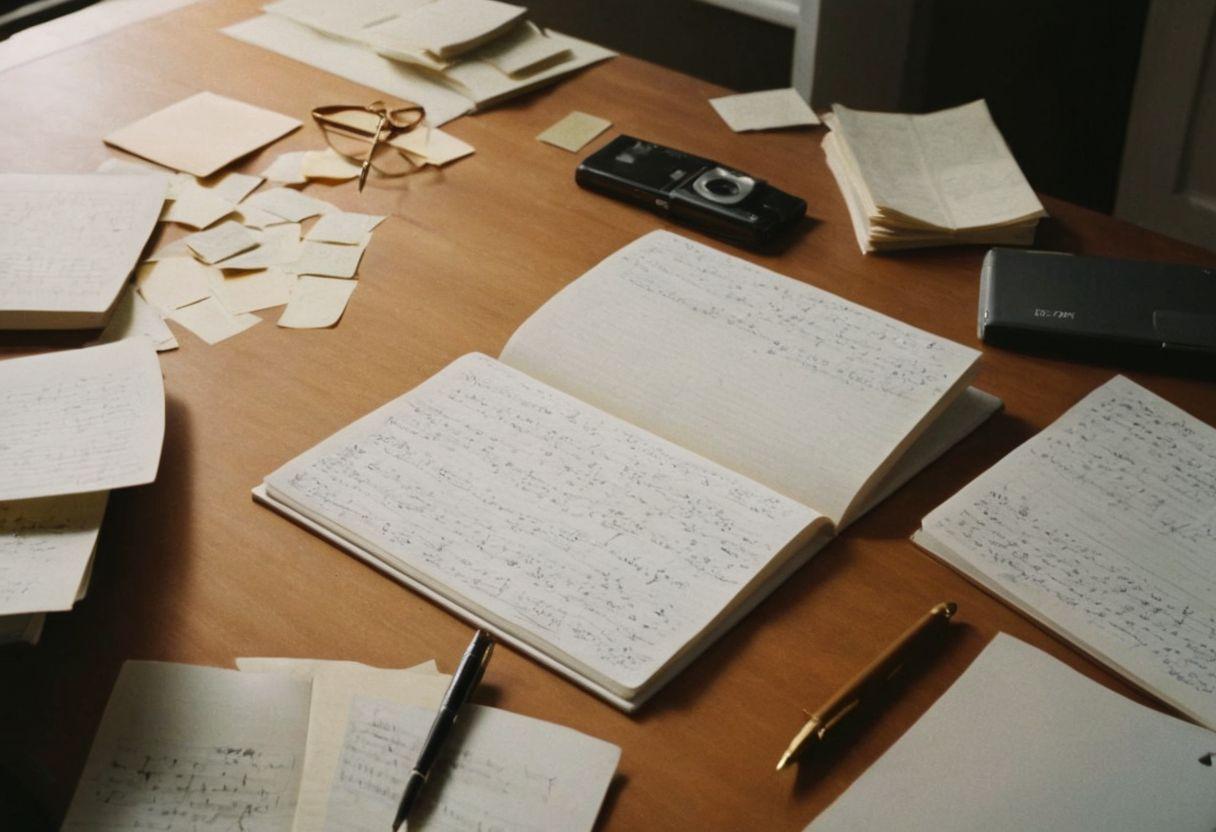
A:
(190, 570)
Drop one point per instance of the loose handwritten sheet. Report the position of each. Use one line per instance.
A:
(787, 384)
(327, 164)
(170, 283)
(252, 291)
(329, 259)
(88, 419)
(501, 771)
(1021, 741)
(46, 545)
(278, 245)
(1104, 527)
(603, 544)
(195, 749)
(68, 242)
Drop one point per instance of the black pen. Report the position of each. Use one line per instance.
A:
(463, 683)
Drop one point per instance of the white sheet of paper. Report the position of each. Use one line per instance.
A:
(278, 245)
(195, 749)
(211, 321)
(1023, 742)
(287, 168)
(88, 419)
(202, 133)
(317, 302)
(329, 259)
(46, 545)
(327, 164)
(343, 228)
(574, 131)
(173, 282)
(501, 771)
(225, 240)
(68, 242)
(134, 316)
(196, 207)
(289, 204)
(252, 291)
(764, 110)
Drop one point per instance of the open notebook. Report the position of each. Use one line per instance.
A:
(657, 448)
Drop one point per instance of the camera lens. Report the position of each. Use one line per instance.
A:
(722, 187)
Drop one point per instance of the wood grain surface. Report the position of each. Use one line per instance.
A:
(189, 569)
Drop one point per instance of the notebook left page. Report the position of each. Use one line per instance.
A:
(80, 420)
(69, 242)
(194, 749)
(601, 545)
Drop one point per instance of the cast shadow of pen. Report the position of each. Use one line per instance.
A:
(827, 755)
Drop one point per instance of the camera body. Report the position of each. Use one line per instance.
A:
(701, 193)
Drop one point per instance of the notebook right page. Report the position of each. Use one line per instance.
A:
(787, 384)
(1103, 527)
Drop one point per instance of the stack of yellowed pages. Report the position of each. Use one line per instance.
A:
(451, 56)
(941, 178)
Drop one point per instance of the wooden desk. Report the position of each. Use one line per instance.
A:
(190, 570)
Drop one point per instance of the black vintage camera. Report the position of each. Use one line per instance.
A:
(697, 192)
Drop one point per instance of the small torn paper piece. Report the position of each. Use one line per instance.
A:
(431, 146)
(177, 248)
(173, 283)
(328, 259)
(219, 243)
(252, 291)
(202, 133)
(287, 168)
(194, 206)
(574, 131)
(210, 321)
(292, 206)
(328, 164)
(278, 245)
(764, 110)
(345, 229)
(251, 217)
(317, 302)
(231, 186)
(132, 317)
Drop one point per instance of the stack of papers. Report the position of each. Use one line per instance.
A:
(302, 745)
(75, 425)
(926, 180)
(450, 56)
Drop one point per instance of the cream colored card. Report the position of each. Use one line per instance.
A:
(225, 240)
(346, 229)
(432, 146)
(211, 321)
(317, 302)
(173, 283)
(195, 206)
(134, 316)
(278, 245)
(289, 204)
(765, 110)
(574, 131)
(252, 291)
(287, 168)
(329, 260)
(202, 133)
(327, 164)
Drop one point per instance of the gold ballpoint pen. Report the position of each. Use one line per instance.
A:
(867, 681)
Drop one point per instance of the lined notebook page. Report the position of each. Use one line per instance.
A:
(46, 546)
(1104, 527)
(785, 383)
(604, 546)
(1023, 742)
(68, 242)
(501, 771)
(80, 420)
(194, 749)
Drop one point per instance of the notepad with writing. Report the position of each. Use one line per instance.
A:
(656, 449)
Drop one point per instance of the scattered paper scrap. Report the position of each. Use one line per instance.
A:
(292, 206)
(194, 206)
(574, 131)
(231, 186)
(317, 302)
(432, 146)
(133, 316)
(287, 168)
(328, 164)
(252, 291)
(342, 228)
(252, 217)
(278, 245)
(765, 110)
(329, 260)
(173, 283)
(210, 321)
(202, 133)
(225, 240)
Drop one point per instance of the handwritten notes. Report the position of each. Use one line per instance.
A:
(195, 749)
(68, 242)
(173, 282)
(502, 771)
(45, 548)
(785, 383)
(80, 420)
(330, 260)
(596, 539)
(1104, 527)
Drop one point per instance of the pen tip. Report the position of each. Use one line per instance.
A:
(784, 761)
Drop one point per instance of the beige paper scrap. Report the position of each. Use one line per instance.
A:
(524, 47)
(574, 131)
(317, 302)
(134, 316)
(278, 245)
(173, 283)
(231, 186)
(329, 260)
(765, 110)
(432, 146)
(202, 133)
(328, 164)
(210, 321)
(287, 168)
(225, 240)
(252, 217)
(289, 204)
(252, 291)
(346, 229)
(195, 206)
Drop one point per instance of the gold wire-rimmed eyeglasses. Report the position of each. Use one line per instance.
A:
(365, 135)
